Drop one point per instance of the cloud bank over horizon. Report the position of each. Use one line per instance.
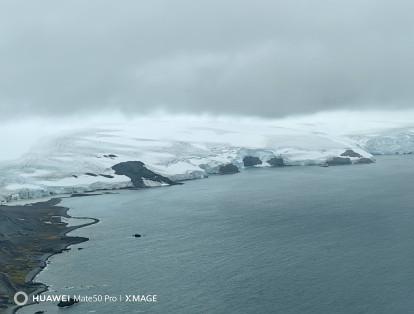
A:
(21, 135)
(261, 58)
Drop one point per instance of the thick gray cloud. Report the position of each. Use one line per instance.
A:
(267, 58)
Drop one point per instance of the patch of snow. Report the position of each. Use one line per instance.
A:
(84, 180)
(389, 142)
(188, 147)
(36, 173)
(17, 186)
(151, 183)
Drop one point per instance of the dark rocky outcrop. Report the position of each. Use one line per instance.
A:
(250, 161)
(338, 161)
(364, 160)
(228, 169)
(107, 176)
(110, 156)
(137, 171)
(137, 235)
(91, 174)
(70, 302)
(351, 153)
(276, 162)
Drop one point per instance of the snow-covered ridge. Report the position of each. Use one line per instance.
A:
(398, 141)
(178, 148)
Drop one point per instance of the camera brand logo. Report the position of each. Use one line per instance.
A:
(21, 298)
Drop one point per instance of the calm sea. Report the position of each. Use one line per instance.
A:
(284, 240)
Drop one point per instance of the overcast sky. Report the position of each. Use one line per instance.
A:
(264, 58)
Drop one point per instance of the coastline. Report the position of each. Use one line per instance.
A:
(41, 225)
(31, 234)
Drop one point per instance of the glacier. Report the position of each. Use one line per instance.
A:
(80, 159)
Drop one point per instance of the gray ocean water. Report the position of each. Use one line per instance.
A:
(286, 240)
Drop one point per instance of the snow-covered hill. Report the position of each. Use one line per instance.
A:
(182, 148)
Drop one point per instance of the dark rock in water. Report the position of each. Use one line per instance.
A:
(39, 312)
(107, 176)
(250, 161)
(91, 174)
(75, 176)
(110, 156)
(338, 161)
(364, 160)
(80, 248)
(70, 302)
(228, 169)
(78, 195)
(137, 171)
(351, 153)
(137, 235)
(276, 162)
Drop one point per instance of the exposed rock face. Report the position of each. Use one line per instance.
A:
(250, 161)
(137, 171)
(107, 176)
(351, 153)
(364, 161)
(276, 162)
(91, 174)
(228, 169)
(70, 302)
(339, 161)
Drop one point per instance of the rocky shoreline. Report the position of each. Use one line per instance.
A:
(29, 235)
